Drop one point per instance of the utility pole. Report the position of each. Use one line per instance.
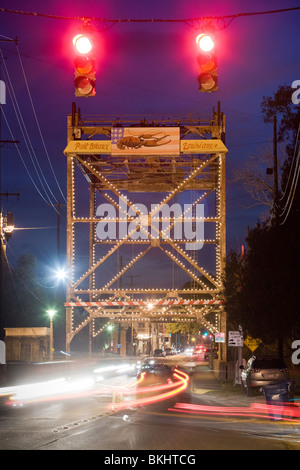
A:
(275, 169)
(59, 205)
(2, 235)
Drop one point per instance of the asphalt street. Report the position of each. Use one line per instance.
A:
(202, 417)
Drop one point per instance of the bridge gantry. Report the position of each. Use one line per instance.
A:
(145, 199)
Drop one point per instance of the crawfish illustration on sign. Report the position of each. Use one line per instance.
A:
(142, 140)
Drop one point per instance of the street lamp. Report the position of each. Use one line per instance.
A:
(61, 274)
(110, 328)
(51, 314)
(7, 225)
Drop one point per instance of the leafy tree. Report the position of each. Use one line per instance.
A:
(260, 292)
(25, 299)
(288, 118)
(185, 328)
(232, 292)
(256, 180)
(281, 105)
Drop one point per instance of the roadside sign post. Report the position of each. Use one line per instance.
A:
(235, 339)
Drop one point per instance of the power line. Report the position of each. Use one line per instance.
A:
(35, 161)
(23, 161)
(153, 20)
(38, 125)
(288, 205)
(292, 164)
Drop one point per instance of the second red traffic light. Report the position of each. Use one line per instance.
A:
(207, 60)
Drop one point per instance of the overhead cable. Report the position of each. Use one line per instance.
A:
(38, 125)
(287, 208)
(153, 20)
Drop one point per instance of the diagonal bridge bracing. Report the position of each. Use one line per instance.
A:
(145, 201)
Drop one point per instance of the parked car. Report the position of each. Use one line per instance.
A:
(261, 371)
(158, 353)
(170, 351)
(189, 351)
(207, 353)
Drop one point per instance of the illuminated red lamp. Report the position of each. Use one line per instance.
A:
(83, 44)
(84, 62)
(205, 42)
(207, 60)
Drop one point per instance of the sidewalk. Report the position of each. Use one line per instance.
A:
(206, 384)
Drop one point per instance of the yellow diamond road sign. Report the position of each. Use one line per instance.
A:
(252, 343)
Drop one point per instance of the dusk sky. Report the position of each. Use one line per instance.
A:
(142, 68)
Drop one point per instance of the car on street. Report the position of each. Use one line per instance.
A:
(158, 353)
(156, 367)
(262, 371)
(189, 350)
(170, 352)
(207, 353)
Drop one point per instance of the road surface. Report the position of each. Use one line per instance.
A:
(100, 417)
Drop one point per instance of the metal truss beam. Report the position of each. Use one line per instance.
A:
(99, 171)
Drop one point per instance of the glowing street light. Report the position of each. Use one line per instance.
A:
(110, 328)
(61, 274)
(7, 224)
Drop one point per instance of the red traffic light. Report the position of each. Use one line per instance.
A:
(84, 62)
(82, 43)
(205, 42)
(207, 60)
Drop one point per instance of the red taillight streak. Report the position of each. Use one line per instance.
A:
(136, 382)
(155, 388)
(181, 384)
(211, 413)
(285, 410)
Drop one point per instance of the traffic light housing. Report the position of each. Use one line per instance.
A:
(84, 62)
(207, 60)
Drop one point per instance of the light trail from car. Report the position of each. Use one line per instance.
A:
(280, 411)
(179, 386)
(61, 388)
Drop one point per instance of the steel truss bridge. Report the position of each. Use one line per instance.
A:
(146, 220)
